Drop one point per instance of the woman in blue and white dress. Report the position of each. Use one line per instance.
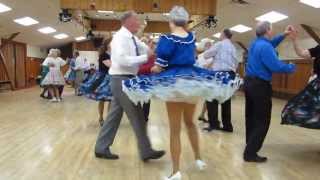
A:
(97, 87)
(178, 82)
(70, 75)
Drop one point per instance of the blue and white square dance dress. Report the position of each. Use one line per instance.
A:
(181, 81)
(97, 87)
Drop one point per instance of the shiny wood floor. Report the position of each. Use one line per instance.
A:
(40, 140)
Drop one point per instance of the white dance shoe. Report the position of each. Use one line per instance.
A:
(201, 165)
(176, 176)
(53, 100)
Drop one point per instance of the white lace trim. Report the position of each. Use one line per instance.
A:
(179, 41)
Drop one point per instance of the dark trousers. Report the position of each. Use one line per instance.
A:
(258, 95)
(213, 107)
(146, 110)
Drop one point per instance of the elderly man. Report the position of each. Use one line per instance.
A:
(80, 66)
(262, 62)
(127, 54)
(224, 58)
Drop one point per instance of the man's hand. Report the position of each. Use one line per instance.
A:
(289, 29)
(156, 69)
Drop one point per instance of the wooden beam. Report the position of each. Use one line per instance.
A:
(6, 41)
(311, 32)
(196, 7)
(114, 25)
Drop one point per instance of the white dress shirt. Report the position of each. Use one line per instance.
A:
(124, 58)
(224, 57)
(80, 63)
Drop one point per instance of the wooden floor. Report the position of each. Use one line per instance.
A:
(40, 140)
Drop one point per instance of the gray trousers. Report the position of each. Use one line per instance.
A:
(119, 104)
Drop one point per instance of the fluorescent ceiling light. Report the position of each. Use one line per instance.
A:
(312, 3)
(61, 36)
(4, 8)
(272, 17)
(47, 30)
(107, 12)
(26, 21)
(80, 38)
(217, 35)
(240, 28)
(166, 14)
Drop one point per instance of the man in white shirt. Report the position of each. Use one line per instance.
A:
(223, 57)
(127, 54)
(80, 65)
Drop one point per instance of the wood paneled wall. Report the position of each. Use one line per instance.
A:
(33, 69)
(84, 46)
(288, 85)
(199, 7)
(15, 59)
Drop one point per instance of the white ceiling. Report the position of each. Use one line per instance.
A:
(44, 11)
(229, 14)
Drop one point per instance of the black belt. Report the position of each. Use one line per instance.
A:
(123, 75)
(257, 79)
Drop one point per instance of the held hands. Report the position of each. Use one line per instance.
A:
(156, 69)
(289, 29)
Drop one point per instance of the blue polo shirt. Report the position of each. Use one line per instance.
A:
(263, 59)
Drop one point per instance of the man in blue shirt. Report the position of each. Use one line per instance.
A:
(262, 62)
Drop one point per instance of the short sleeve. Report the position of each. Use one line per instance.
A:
(315, 52)
(164, 51)
(46, 62)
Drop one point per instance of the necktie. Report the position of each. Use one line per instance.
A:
(136, 46)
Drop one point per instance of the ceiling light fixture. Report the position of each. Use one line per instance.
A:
(26, 21)
(312, 3)
(4, 8)
(80, 38)
(272, 17)
(241, 28)
(106, 12)
(47, 30)
(61, 36)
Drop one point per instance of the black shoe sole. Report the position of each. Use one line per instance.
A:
(103, 156)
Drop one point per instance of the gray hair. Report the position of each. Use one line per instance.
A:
(262, 28)
(126, 15)
(53, 52)
(179, 16)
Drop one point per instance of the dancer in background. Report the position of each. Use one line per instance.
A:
(61, 87)
(70, 76)
(304, 109)
(178, 82)
(223, 58)
(54, 79)
(80, 66)
(98, 86)
(145, 69)
(262, 62)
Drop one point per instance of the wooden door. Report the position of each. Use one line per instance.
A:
(8, 53)
(20, 65)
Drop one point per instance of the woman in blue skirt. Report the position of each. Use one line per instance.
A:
(178, 82)
(97, 87)
(304, 109)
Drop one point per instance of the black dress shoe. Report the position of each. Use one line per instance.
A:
(256, 159)
(209, 129)
(154, 155)
(227, 129)
(203, 120)
(107, 155)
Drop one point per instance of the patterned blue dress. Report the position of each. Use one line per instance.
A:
(97, 87)
(181, 81)
(304, 109)
(71, 75)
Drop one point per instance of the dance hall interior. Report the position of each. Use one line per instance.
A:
(159, 89)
